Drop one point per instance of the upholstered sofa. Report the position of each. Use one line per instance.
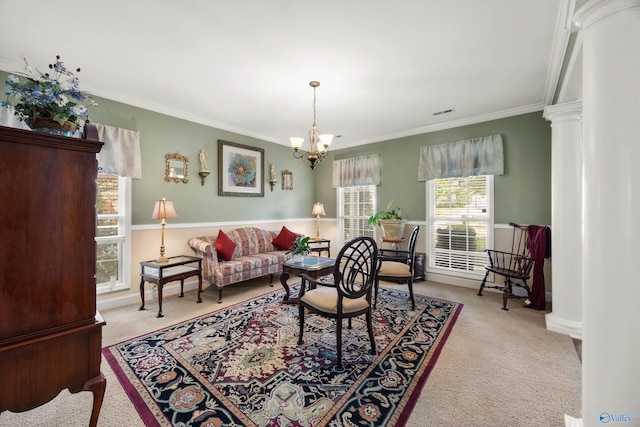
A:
(254, 255)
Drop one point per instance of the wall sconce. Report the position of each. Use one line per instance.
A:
(162, 210)
(273, 181)
(204, 172)
(318, 209)
(287, 179)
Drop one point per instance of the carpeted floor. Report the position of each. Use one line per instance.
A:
(497, 369)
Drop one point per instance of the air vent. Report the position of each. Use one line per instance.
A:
(439, 113)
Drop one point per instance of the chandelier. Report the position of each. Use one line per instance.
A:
(319, 142)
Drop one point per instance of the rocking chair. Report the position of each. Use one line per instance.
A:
(515, 265)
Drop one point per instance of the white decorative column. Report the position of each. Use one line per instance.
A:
(611, 211)
(566, 218)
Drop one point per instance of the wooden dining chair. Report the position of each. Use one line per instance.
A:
(350, 295)
(398, 266)
(514, 266)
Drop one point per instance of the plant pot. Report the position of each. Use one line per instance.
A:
(47, 125)
(392, 228)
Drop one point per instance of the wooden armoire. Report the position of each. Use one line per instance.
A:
(50, 331)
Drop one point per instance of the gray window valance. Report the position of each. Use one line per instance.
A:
(471, 157)
(363, 170)
(120, 154)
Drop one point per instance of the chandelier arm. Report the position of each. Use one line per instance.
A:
(299, 154)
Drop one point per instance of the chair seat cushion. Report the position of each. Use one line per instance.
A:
(394, 269)
(326, 299)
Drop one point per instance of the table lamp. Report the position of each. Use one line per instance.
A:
(318, 209)
(163, 209)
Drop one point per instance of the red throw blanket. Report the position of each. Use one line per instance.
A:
(539, 250)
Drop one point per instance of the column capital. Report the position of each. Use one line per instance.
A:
(596, 10)
(568, 111)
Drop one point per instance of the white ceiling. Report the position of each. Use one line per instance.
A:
(384, 67)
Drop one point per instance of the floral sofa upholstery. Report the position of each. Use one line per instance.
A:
(254, 256)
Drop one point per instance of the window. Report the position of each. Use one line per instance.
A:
(460, 217)
(355, 205)
(112, 240)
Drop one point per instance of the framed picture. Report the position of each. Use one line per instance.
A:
(240, 170)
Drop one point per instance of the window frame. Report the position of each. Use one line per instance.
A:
(340, 193)
(123, 239)
(430, 244)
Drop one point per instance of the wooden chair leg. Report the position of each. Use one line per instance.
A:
(339, 340)
(413, 300)
(370, 328)
(375, 293)
(505, 293)
(301, 319)
(484, 281)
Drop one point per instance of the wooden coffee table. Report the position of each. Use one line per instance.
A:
(312, 266)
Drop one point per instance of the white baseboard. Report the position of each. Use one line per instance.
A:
(469, 283)
(563, 326)
(170, 289)
(452, 280)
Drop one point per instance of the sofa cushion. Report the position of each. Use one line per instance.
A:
(285, 239)
(224, 246)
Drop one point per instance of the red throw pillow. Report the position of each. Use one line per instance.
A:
(285, 239)
(224, 246)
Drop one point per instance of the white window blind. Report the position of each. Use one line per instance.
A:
(112, 242)
(355, 205)
(460, 216)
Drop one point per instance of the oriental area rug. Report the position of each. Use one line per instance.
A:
(242, 366)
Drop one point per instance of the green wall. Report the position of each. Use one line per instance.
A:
(522, 194)
(161, 134)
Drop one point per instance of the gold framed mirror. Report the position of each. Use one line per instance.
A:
(176, 168)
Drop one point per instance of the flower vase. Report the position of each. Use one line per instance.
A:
(43, 122)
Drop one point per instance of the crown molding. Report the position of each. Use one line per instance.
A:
(597, 10)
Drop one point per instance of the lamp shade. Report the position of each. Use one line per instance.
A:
(296, 142)
(318, 210)
(164, 209)
(325, 139)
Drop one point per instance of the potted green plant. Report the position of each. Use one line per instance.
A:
(300, 247)
(390, 220)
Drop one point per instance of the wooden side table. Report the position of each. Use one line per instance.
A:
(314, 267)
(320, 245)
(177, 268)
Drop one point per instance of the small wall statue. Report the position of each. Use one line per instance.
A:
(204, 171)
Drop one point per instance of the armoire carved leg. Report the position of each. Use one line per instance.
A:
(96, 385)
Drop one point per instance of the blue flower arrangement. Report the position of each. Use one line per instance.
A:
(57, 96)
